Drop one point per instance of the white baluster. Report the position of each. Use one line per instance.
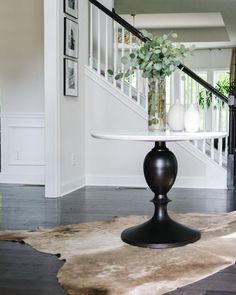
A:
(220, 150)
(218, 113)
(227, 118)
(106, 47)
(194, 100)
(227, 130)
(138, 86)
(146, 95)
(226, 146)
(197, 89)
(173, 77)
(122, 53)
(115, 49)
(188, 91)
(221, 115)
(183, 92)
(142, 88)
(205, 113)
(213, 114)
(204, 146)
(130, 51)
(91, 37)
(204, 122)
(212, 149)
(191, 91)
(99, 42)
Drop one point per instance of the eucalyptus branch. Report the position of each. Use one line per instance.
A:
(157, 58)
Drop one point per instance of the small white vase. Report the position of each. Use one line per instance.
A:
(176, 116)
(192, 119)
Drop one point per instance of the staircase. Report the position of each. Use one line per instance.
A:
(110, 38)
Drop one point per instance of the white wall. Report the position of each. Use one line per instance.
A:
(22, 91)
(21, 56)
(65, 116)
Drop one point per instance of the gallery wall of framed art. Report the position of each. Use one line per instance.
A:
(71, 45)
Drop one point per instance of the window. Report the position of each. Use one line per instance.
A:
(214, 114)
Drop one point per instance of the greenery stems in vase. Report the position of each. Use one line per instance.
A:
(157, 58)
(157, 105)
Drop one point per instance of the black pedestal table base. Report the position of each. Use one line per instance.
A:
(160, 170)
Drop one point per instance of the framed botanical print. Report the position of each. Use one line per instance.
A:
(70, 77)
(71, 36)
(71, 7)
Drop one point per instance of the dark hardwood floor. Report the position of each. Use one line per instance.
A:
(24, 271)
(221, 283)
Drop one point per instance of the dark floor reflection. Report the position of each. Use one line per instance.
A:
(24, 207)
(25, 271)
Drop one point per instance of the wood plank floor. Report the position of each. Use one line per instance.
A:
(24, 271)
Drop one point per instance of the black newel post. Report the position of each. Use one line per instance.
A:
(231, 167)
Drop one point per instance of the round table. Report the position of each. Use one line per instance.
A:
(160, 170)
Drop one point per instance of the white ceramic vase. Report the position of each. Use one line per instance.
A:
(192, 119)
(176, 116)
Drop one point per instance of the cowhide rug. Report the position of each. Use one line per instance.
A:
(98, 262)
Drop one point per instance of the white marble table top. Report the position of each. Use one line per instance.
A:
(157, 136)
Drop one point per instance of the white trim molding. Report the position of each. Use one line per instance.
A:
(23, 115)
(53, 42)
(72, 185)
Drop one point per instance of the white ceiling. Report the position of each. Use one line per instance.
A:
(210, 23)
(176, 20)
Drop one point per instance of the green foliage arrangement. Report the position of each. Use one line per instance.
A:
(157, 58)
(222, 86)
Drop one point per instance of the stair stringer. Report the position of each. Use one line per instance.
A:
(99, 79)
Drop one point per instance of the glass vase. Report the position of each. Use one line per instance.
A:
(157, 106)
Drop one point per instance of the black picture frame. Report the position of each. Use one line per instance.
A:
(70, 77)
(71, 37)
(71, 7)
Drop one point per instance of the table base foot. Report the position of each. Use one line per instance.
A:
(160, 234)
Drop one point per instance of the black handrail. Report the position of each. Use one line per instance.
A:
(139, 35)
(205, 84)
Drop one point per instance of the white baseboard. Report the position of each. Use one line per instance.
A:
(72, 185)
(115, 180)
(139, 181)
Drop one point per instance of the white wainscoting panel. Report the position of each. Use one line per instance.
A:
(22, 148)
(25, 145)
